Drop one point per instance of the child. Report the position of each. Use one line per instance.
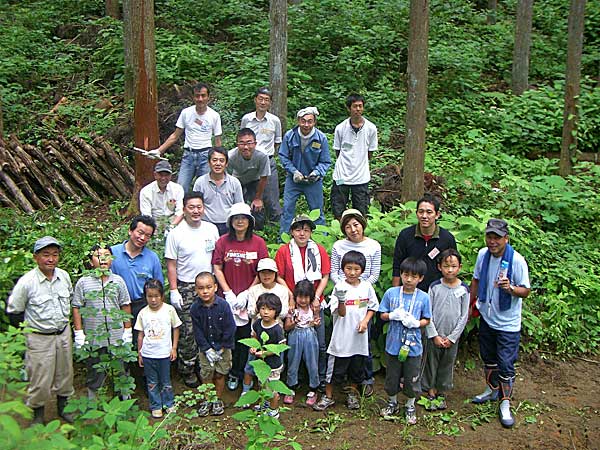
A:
(214, 330)
(156, 348)
(300, 324)
(408, 309)
(268, 306)
(353, 304)
(450, 311)
(103, 292)
(267, 275)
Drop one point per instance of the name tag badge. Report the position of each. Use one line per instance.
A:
(433, 253)
(458, 293)
(316, 145)
(251, 255)
(210, 245)
(347, 146)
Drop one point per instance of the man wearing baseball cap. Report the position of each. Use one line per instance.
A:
(162, 199)
(500, 282)
(304, 154)
(44, 296)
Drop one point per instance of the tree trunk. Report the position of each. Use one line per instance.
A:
(129, 72)
(572, 86)
(416, 103)
(520, 68)
(492, 12)
(145, 133)
(1, 120)
(278, 59)
(111, 7)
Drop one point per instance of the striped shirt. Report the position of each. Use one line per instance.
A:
(368, 247)
(99, 323)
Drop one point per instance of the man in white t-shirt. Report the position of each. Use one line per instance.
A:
(188, 251)
(200, 123)
(267, 128)
(162, 199)
(354, 142)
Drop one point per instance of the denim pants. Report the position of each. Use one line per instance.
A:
(499, 347)
(304, 346)
(158, 380)
(313, 193)
(193, 164)
(322, 348)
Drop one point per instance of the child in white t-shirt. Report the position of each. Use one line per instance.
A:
(353, 304)
(156, 347)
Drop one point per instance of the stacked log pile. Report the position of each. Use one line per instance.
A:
(60, 170)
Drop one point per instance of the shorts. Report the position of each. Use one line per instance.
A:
(221, 367)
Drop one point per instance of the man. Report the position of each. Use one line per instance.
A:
(219, 189)
(304, 259)
(188, 252)
(162, 199)
(267, 128)
(500, 282)
(200, 123)
(137, 264)
(304, 154)
(425, 240)
(354, 142)
(44, 296)
(252, 170)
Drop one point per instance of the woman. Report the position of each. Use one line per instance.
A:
(353, 225)
(235, 261)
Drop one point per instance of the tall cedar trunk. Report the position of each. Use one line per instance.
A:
(145, 133)
(111, 8)
(572, 86)
(1, 120)
(278, 59)
(128, 50)
(492, 11)
(520, 68)
(416, 103)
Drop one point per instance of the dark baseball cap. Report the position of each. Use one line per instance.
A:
(497, 226)
(163, 166)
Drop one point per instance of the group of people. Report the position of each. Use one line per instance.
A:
(226, 288)
(248, 173)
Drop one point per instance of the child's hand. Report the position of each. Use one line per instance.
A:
(258, 354)
(173, 355)
(317, 321)
(438, 341)
(252, 351)
(140, 360)
(362, 326)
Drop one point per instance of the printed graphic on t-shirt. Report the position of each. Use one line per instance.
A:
(155, 331)
(237, 257)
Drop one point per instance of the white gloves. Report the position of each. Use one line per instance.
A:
(127, 336)
(213, 356)
(340, 294)
(313, 177)
(398, 314)
(298, 177)
(153, 153)
(230, 297)
(236, 302)
(176, 299)
(410, 322)
(79, 338)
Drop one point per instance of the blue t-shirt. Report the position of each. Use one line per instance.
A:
(136, 271)
(396, 331)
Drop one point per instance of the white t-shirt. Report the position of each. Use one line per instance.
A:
(352, 164)
(157, 204)
(267, 130)
(157, 326)
(199, 128)
(346, 341)
(279, 290)
(192, 248)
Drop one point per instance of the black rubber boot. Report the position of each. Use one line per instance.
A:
(61, 403)
(38, 415)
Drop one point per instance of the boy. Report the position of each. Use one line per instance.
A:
(103, 292)
(408, 309)
(214, 330)
(352, 305)
(269, 308)
(450, 311)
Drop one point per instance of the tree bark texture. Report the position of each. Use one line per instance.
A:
(111, 8)
(520, 68)
(278, 59)
(128, 51)
(492, 12)
(416, 103)
(572, 86)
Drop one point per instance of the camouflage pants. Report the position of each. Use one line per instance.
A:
(187, 350)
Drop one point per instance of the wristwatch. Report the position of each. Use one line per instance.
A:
(511, 288)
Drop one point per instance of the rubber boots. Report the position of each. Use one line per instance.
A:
(38, 415)
(506, 418)
(61, 403)
(491, 390)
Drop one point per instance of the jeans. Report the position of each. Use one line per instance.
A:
(291, 192)
(304, 346)
(499, 347)
(240, 351)
(341, 193)
(193, 164)
(322, 348)
(158, 379)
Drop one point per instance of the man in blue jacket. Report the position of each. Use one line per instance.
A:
(304, 154)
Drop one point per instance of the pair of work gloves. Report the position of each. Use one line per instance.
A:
(214, 356)
(313, 177)
(407, 319)
(235, 301)
(80, 340)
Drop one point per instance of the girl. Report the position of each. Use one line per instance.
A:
(156, 348)
(302, 339)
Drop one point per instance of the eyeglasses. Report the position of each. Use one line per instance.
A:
(246, 143)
